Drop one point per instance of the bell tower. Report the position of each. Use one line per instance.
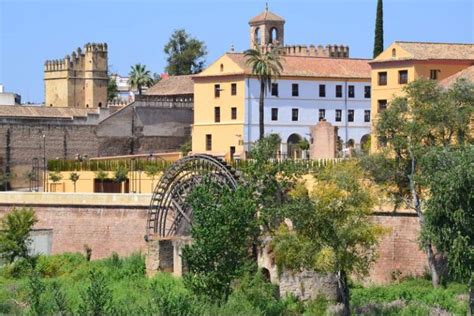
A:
(266, 29)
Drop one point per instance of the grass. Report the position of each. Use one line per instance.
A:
(118, 286)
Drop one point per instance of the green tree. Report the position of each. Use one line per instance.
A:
(55, 176)
(186, 55)
(223, 229)
(186, 147)
(101, 175)
(331, 231)
(74, 177)
(378, 41)
(121, 174)
(112, 89)
(267, 67)
(449, 215)
(152, 170)
(15, 228)
(139, 77)
(428, 116)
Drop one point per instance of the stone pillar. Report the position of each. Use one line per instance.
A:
(324, 143)
(164, 254)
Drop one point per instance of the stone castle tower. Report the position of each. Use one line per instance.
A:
(78, 80)
(267, 30)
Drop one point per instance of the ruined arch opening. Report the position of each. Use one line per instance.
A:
(294, 150)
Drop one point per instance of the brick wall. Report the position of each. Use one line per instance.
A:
(104, 229)
(121, 228)
(398, 250)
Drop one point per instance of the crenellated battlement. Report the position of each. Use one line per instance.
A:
(70, 62)
(79, 79)
(334, 51)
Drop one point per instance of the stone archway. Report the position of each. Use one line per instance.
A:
(294, 150)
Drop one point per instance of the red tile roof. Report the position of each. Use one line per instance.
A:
(306, 66)
(173, 85)
(467, 74)
(266, 16)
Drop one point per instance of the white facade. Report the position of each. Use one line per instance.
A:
(308, 104)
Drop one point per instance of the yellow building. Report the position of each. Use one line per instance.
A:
(403, 62)
(316, 84)
(78, 80)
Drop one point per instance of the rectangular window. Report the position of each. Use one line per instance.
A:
(403, 76)
(367, 92)
(275, 89)
(366, 115)
(208, 142)
(338, 91)
(338, 115)
(383, 78)
(295, 90)
(233, 89)
(294, 114)
(274, 114)
(322, 114)
(351, 92)
(382, 105)
(322, 90)
(434, 74)
(217, 90)
(217, 114)
(233, 113)
(350, 115)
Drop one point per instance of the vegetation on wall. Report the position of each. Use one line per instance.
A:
(427, 119)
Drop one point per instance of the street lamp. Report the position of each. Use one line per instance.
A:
(44, 164)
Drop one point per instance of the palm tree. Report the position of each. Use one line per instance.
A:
(139, 77)
(266, 66)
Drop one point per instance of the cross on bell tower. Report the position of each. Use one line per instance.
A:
(267, 28)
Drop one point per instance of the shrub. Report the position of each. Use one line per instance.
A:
(255, 291)
(170, 296)
(413, 291)
(14, 233)
(96, 299)
(57, 265)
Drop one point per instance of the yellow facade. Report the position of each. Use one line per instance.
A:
(228, 132)
(142, 183)
(395, 59)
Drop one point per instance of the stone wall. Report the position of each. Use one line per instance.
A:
(308, 285)
(26, 142)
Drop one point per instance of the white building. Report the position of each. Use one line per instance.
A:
(9, 98)
(294, 106)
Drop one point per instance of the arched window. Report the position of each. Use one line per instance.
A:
(257, 37)
(222, 67)
(87, 105)
(100, 104)
(273, 35)
(394, 52)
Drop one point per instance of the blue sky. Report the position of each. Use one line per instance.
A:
(136, 31)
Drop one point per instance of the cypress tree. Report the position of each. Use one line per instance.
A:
(378, 42)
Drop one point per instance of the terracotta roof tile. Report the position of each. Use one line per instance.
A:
(266, 16)
(467, 74)
(306, 66)
(428, 50)
(44, 111)
(173, 85)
